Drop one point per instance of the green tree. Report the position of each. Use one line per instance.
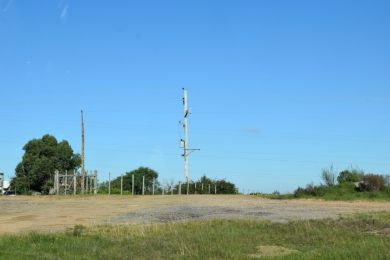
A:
(350, 176)
(138, 174)
(223, 186)
(42, 157)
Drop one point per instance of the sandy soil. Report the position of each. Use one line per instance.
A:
(19, 214)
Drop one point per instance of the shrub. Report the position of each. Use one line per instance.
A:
(310, 190)
(328, 176)
(372, 182)
(350, 176)
(78, 230)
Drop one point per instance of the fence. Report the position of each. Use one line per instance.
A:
(153, 188)
(71, 183)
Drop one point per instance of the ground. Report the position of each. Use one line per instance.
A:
(19, 214)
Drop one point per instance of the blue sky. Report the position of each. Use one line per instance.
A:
(278, 89)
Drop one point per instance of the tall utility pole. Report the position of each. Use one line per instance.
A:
(184, 143)
(82, 153)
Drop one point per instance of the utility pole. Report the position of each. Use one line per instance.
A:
(82, 153)
(185, 125)
(184, 143)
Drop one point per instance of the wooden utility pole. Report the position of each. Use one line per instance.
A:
(82, 153)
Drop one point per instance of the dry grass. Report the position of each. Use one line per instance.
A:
(350, 238)
(20, 214)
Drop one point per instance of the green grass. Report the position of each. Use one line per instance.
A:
(359, 237)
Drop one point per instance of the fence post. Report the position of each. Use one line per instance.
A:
(132, 184)
(143, 185)
(66, 180)
(95, 182)
(109, 183)
(91, 182)
(57, 182)
(121, 184)
(87, 183)
(195, 188)
(153, 185)
(209, 188)
(179, 187)
(215, 188)
(74, 183)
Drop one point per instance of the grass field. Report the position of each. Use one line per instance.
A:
(359, 237)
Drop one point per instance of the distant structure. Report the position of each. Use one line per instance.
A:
(4, 185)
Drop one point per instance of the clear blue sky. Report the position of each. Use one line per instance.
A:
(279, 89)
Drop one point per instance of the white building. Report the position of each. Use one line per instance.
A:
(4, 185)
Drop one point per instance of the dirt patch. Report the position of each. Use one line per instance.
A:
(59, 213)
(23, 218)
(272, 251)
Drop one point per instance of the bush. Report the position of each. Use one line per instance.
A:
(328, 176)
(350, 176)
(310, 190)
(372, 182)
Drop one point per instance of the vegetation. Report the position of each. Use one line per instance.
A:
(222, 186)
(352, 184)
(372, 182)
(149, 174)
(360, 237)
(328, 176)
(353, 175)
(42, 157)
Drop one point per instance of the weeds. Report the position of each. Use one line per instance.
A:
(362, 236)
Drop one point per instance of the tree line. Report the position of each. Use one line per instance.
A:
(204, 185)
(43, 156)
